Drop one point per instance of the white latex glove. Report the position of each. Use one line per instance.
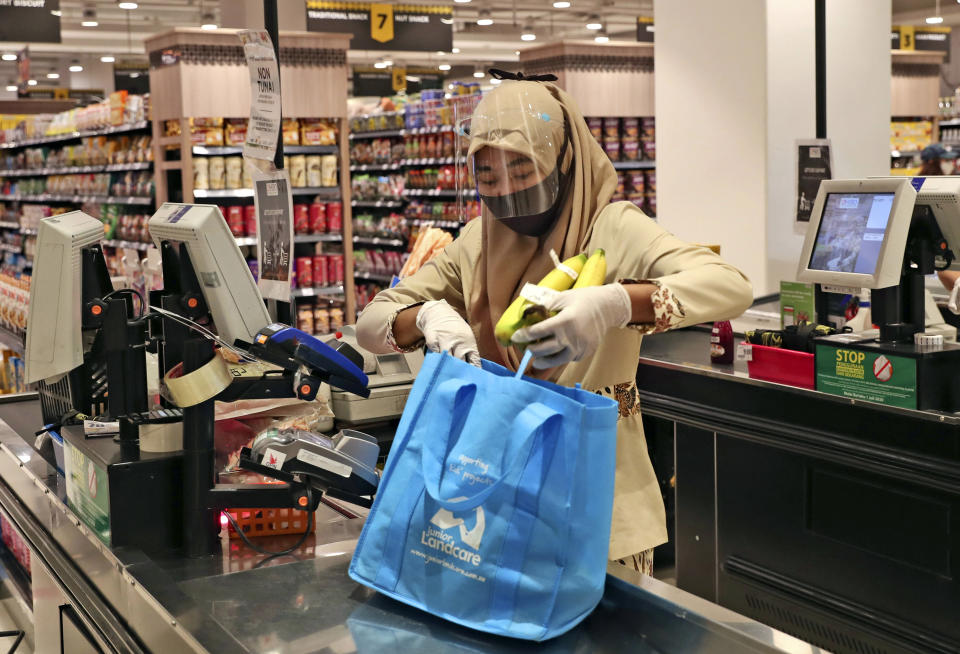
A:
(585, 315)
(445, 331)
(954, 295)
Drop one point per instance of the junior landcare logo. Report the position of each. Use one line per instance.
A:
(882, 368)
(437, 535)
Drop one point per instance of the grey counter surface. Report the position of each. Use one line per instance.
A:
(241, 601)
(688, 350)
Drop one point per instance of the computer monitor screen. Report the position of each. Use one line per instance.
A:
(851, 232)
(858, 233)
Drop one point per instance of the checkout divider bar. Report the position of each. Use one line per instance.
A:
(96, 614)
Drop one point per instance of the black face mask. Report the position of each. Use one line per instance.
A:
(529, 211)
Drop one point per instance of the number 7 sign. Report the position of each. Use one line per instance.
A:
(381, 23)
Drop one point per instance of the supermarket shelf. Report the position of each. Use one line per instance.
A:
(388, 133)
(443, 224)
(361, 168)
(128, 245)
(318, 238)
(376, 240)
(433, 192)
(223, 150)
(317, 292)
(373, 277)
(634, 165)
(28, 231)
(371, 204)
(329, 192)
(11, 340)
(132, 127)
(6, 247)
(223, 193)
(102, 199)
(74, 170)
(428, 161)
(950, 123)
(9, 225)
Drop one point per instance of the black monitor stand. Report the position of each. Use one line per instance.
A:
(899, 311)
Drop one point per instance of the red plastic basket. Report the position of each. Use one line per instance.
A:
(782, 366)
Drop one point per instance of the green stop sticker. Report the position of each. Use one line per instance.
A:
(869, 376)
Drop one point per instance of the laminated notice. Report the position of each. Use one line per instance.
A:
(264, 127)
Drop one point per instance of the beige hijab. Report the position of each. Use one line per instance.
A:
(508, 260)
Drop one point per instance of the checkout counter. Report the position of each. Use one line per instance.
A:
(833, 518)
(238, 601)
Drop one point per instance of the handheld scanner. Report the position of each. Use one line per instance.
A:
(291, 348)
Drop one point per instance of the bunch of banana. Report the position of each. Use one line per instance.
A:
(523, 313)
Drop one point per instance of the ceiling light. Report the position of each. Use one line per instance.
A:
(561, 4)
(441, 52)
(8, 56)
(593, 23)
(479, 74)
(127, 5)
(516, 52)
(463, 2)
(485, 18)
(528, 33)
(379, 65)
(31, 82)
(457, 50)
(208, 21)
(75, 67)
(56, 12)
(601, 36)
(53, 75)
(108, 59)
(134, 75)
(936, 19)
(444, 66)
(494, 81)
(448, 20)
(89, 17)
(12, 88)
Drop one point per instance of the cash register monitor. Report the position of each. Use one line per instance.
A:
(858, 233)
(54, 338)
(225, 279)
(942, 195)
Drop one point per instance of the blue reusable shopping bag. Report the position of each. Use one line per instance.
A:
(495, 504)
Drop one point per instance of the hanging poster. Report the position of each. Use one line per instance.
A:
(384, 26)
(274, 205)
(814, 164)
(264, 127)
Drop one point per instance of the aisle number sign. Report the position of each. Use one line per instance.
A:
(377, 26)
(933, 38)
(399, 78)
(381, 23)
(866, 375)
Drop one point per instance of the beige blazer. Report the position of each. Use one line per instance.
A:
(695, 286)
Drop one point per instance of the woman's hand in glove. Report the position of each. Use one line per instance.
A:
(585, 315)
(445, 331)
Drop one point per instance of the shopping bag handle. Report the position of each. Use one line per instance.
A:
(525, 432)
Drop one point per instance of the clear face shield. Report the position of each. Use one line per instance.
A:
(509, 158)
